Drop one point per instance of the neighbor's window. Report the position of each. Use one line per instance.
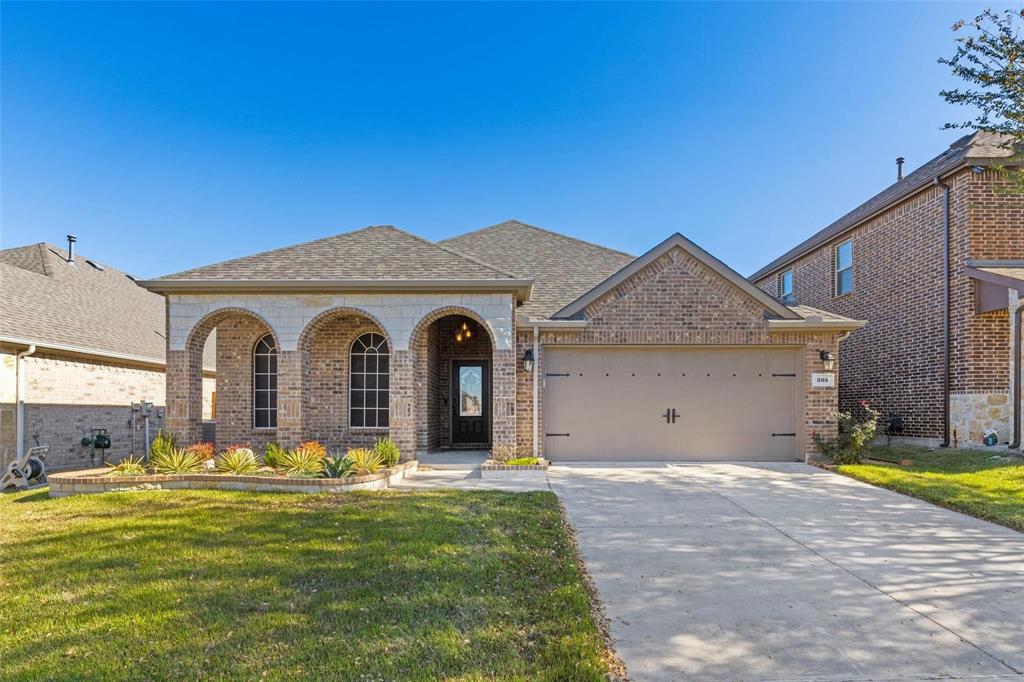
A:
(786, 286)
(368, 381)
(844, 268)
(264, 383)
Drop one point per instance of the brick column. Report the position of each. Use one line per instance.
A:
(184, 395)
(402, 396)
(289, 398)
(503, 399)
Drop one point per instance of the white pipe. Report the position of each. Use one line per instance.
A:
(19, 391)
(536, 392)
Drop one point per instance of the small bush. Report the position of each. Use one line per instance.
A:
(364, 461)
(204, 450)
(129, 466)
(272, 455)
(176, 461)
(387, 450)
(302, 463)
(855, 435)
(315, 447)
(503, 453)
(337, 467)
(162, 444)
(240, 462)
(522, 461)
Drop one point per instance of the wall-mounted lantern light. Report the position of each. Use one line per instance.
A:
(827, 359)
(528, 360)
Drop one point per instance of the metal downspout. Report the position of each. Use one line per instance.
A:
(536, 391)
(1018, 322)
(945, 317)
(19, 402)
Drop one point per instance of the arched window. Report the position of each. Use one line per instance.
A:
(264, 383)
(368, 381)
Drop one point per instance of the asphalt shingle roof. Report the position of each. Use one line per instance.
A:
(563, 268)
(373, 253)
(46, 300)
(978, 147)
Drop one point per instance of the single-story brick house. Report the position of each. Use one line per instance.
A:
(80, 343)
(509, 337)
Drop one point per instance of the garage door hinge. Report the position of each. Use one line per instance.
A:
(783, 375)
(557, 375)
(556, 434)
(783, 434)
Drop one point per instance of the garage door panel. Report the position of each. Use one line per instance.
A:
(728, 403)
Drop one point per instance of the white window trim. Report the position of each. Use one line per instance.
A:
(254, 389)
(782, 290)
(835, 262)
(387, 346)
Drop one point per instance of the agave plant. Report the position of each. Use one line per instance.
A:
(240, 462)
(129, 466)
(387, 450)
(302, 463)
(337, 466)
(177, 461)
(364, 461)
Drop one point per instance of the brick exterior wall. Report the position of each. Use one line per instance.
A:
(67, 396)
(677, 300)
(896, 362)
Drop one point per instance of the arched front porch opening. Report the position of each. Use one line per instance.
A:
(454, 395)
(346, 359)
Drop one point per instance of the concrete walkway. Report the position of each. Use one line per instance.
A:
(788, 572)
(463, 479)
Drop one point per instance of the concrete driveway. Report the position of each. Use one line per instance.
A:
(788, 572)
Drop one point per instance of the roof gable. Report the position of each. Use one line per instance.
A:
(563, 268)
(379, 253)
(677, 240)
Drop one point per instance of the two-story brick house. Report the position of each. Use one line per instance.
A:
(936, 263)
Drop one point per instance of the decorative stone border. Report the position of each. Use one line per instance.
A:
(493, 469)
(63, 484)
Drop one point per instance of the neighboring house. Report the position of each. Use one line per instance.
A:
(86, 342)
(510, 337)
(884, 261)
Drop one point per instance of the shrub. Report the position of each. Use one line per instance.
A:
(387, 450)
(302, 463)
(240, 462)
(337, 467)
(272, 455)
(522, 461)
(503, 453)
(364, 461)
(204, 450)
(176, 461)
(129, 466)
(163, 443)
(315, 447)
(855, 435)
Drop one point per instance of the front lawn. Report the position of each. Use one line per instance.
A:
(965, 480)
(467, 585)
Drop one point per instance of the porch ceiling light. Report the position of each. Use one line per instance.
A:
(827, 359)
(528, 360)
(463, 333)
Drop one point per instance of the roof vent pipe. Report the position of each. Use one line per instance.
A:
(71, 247)
(899, 168)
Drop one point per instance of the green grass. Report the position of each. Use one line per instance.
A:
(967, 481)
(463, 585)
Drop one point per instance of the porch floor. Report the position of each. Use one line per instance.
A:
(462, 460)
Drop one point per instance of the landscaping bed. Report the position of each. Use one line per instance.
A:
(467, 585)
(985, 484)
(520, 467)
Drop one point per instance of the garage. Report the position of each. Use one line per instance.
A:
(695, 403)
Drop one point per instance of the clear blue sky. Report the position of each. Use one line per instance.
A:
(172, 135)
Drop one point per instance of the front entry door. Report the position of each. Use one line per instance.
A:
(471, 402)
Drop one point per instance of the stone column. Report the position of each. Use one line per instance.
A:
(503, 399)
(402, 417)
(289, 398)
(183, 387)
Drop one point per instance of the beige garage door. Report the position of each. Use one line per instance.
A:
(698, 404)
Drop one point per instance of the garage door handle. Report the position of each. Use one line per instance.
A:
(556, 434)
(783, 434)
(670, 415)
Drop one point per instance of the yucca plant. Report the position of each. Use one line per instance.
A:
(129, 466)
(177, 461)
(241, 462)
(364, 461)
(387, 450)
(302, 463)
(337, 466)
